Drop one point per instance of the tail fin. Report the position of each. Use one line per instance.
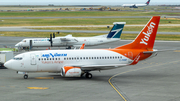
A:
(146, 38)
(82, 47)
(116, 30)
(148, 2)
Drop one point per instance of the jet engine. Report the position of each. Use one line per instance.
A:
(69, 71)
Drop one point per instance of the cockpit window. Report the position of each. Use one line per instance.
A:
(23, 41)
(19, 58)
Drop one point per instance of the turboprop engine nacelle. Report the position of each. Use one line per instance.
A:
(69, 71)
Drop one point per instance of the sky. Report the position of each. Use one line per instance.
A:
(86, 2)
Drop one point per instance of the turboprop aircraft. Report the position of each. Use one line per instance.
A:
(136, 5)
(76, 63)
(70, 41)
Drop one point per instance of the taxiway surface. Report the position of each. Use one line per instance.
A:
(156, 79)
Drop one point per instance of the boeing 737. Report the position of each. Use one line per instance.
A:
(136, 5)
(69, 41)
(76, 63)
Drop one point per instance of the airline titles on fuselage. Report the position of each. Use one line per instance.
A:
(55, 55)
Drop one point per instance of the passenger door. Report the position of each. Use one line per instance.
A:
(33, 59)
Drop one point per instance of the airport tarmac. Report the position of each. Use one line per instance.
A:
(156, 79)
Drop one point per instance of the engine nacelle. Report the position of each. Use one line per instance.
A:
(69, 71)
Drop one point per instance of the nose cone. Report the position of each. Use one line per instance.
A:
(8, 64)
(17, 45)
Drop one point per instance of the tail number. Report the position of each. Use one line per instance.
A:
(147, 34)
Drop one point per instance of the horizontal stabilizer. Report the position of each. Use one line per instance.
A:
(155, 51)
(136, 60)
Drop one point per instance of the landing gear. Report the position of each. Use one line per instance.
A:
(88, 75)
(25, 76)
(69, 47)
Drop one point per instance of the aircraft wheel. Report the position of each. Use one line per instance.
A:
(25, 76)
(88, 75)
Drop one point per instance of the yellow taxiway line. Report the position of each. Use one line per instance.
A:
(132, 71)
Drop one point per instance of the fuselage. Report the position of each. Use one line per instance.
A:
(136, 5)
(72, 41)
(54, 60)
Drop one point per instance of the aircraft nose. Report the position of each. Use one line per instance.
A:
(8, 64)
(17, 45)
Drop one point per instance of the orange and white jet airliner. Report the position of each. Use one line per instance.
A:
(75, 63)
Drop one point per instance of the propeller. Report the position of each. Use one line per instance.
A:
(50, 40)
(51, 37)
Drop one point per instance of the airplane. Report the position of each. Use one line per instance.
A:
(136, 5)
(70, 41)
(76, 63)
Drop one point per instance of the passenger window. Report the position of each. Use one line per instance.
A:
(81, 58)
(102, 57)
(74, 58)
(86, 57)
(64, 58)
(77, 58)
(94, 57)
(58, 58)
(97, 57)
(47, 59)
(44, 58)
(89, 57)
(39, 59)
(69, 58)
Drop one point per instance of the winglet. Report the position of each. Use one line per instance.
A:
(136, 60)
(82, 47)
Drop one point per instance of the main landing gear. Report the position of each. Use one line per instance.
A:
(88, 75)
(25, 76)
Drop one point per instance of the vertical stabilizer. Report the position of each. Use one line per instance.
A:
(147, 3)
(116, 30)
(146, 38)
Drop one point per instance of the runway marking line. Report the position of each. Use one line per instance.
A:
(132, 71)
(44, 77)
(42, 88)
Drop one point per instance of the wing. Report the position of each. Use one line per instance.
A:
(68, 40)
(98, 67)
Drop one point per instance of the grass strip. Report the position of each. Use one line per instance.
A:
(123, 36)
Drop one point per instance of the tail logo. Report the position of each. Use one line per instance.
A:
(147, 34)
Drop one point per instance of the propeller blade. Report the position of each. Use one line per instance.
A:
(51, 40)
(53, 35)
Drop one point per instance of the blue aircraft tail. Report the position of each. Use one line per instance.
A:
(116, 30)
